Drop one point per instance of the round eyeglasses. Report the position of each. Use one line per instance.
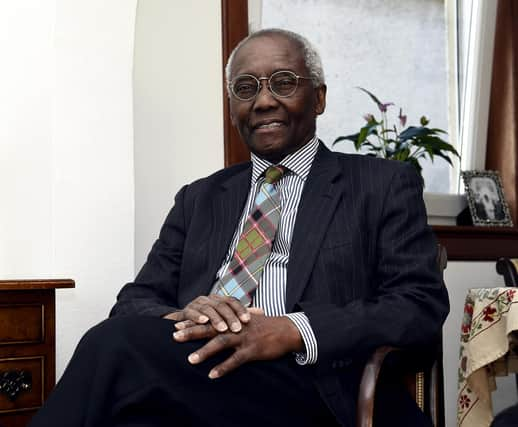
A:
(281, 84)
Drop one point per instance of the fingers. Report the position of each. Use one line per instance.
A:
(195, 332)
(235, 360)
(223, 313)
(185, 324)
(230, 311)
(239, 309)
(177, 315)
(221, 342)
(215, 345)
(191, 313)
(264, 338)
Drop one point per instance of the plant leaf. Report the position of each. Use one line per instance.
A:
(414, 162)
(401, 155)
(437, 130)
(353, 138)
(364, 132)
(372, 96)
(372, 146)
(368, 129)
(435, 143)
(445, 157)
(413, 132)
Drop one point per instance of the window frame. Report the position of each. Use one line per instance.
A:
(475, 106)
(234, 27)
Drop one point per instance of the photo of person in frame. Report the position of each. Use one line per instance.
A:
(486, 200)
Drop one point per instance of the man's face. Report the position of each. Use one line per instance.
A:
(275, 127)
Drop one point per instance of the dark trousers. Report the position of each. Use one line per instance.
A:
(128, 371)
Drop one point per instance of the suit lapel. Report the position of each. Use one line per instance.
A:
(227, 207)
(317, 206)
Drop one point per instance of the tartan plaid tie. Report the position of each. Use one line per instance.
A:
(255, 243)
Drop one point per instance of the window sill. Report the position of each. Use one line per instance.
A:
(467, 243)
(442, 209)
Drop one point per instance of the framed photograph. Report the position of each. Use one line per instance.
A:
(486, 200)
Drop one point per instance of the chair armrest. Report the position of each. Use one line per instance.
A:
(367, 391)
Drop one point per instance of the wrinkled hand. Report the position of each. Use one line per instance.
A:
(262, 338)
(222, 313)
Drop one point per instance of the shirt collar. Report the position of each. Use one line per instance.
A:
(298, 163)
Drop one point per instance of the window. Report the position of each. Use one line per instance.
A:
(430, 57)
(397, 49)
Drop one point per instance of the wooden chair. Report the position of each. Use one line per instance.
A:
(426, 386)
(507, 267)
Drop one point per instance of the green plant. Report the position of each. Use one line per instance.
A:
(379, 138)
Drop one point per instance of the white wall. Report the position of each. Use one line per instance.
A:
(26, 99)
(70, 187)
(66, 153)
(178, 107)
(93, 178)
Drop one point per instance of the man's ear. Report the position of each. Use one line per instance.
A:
(320, 104)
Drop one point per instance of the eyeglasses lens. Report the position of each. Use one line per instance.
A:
(245, 87)
(282, 84)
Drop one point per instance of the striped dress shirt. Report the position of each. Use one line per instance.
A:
(271, 292)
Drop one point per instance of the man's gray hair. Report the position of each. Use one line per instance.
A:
(311, 56)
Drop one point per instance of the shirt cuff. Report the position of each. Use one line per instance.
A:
(310, 355)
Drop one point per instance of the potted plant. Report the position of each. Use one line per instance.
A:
(379, 138)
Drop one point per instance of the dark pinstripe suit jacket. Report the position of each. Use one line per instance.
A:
(362, 261)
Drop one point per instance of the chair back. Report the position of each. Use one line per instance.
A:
(508, 267)
(426, 386)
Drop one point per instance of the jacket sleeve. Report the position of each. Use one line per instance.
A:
(154, 291)
(410, 302)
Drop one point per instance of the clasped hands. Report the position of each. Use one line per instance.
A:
(227, 324)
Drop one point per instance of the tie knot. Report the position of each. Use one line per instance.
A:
(274, 174)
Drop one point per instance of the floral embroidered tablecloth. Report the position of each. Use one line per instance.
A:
(489, 344)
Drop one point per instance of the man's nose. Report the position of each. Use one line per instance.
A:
(264, 98)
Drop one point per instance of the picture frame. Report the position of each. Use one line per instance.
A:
(486, 200)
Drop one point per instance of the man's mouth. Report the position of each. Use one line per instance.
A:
(268, 125)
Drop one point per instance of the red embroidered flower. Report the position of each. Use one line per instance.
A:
(464, 401)
(466, 321)
(510, 294)
(488, 313)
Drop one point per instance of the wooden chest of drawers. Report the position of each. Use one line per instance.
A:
(27, 347)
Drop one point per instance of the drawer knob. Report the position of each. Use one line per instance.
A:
(12, 383)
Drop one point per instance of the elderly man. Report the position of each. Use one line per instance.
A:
(271, 281)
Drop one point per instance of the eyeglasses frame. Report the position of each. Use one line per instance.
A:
(260, 85)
